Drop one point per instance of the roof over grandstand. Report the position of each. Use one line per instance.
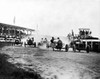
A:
(14, 26)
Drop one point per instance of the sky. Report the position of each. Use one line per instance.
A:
(52, 17)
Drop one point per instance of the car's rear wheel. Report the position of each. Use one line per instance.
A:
(66, 48)
(79, 50)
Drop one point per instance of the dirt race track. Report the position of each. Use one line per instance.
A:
(54, 64)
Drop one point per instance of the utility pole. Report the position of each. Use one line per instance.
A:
(37, 29)
(14, 20)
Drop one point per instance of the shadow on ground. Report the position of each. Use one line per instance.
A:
(10, 71)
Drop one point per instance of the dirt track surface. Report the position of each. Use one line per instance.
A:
(54, 64)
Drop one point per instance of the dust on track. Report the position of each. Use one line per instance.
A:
(54, 64)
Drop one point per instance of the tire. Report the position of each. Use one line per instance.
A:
(53, 49)
(74, 48)
(66, 48)
(79, 50)
(88, 49)
(35, 44)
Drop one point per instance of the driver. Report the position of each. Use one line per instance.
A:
(59, 44)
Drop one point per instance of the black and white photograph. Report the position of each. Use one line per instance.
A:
(49, 39)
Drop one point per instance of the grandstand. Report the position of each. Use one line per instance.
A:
(11, 32)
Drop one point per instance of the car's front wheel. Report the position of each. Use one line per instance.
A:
(66, 48)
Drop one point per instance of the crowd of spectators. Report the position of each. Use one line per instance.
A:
(84, 33)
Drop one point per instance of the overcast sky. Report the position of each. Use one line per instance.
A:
(53, 17)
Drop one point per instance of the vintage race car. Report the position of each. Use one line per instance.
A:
(18, 42)
(30, 43)
(59, 46)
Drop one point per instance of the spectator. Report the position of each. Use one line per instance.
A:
(52, 40)
(52, 43)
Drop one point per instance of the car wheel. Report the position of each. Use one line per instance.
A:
(66, 48)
